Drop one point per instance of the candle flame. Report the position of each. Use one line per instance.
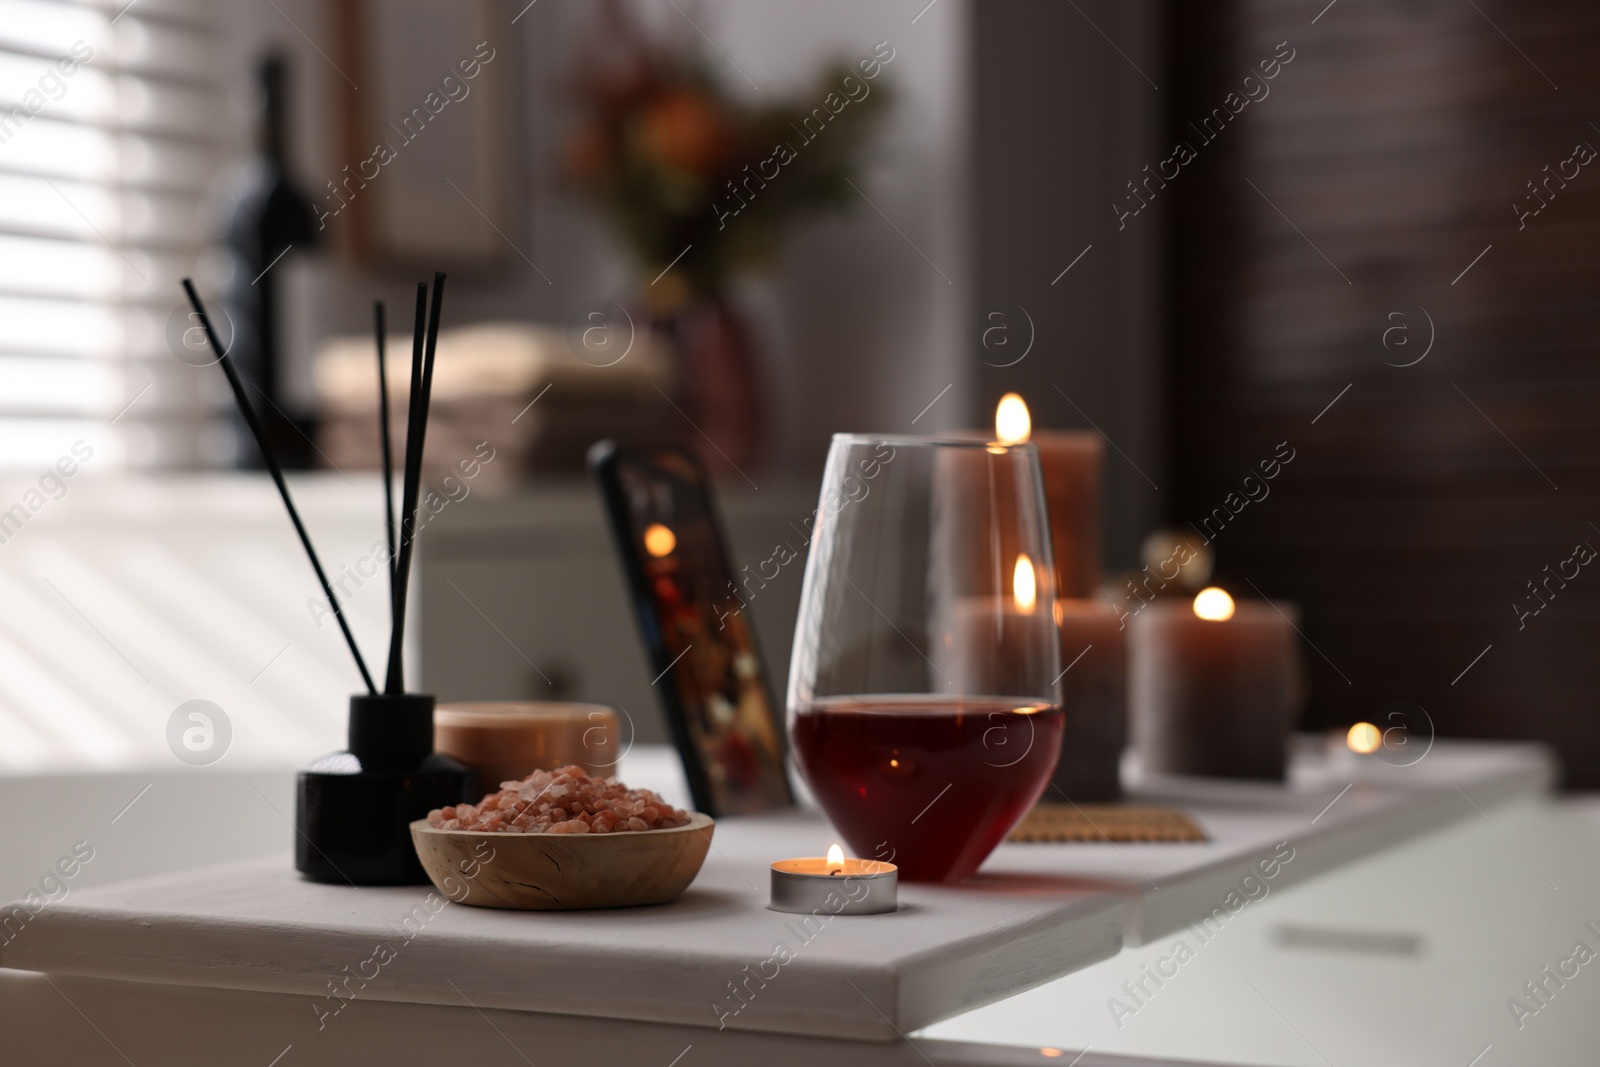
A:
(1012, 424)
(658, 540)
(1024, 588)
(1364, 738)
(835, 859)
(1213, 604)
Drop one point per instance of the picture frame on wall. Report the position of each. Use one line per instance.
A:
(428, 176)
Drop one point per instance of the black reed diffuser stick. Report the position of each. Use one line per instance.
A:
(277, 475)
(422, 358)
(394, 681)
(383, 437)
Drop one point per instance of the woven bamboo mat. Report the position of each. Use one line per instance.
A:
(1106, 822)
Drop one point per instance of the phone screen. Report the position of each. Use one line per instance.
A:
(701, 645)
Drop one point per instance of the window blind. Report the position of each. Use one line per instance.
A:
(107, 113)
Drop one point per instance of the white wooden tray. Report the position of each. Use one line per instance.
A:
(1035, 912)
(256, 925)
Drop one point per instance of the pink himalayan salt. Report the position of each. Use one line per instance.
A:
(563, 801)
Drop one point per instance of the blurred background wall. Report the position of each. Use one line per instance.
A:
(1389, 263)
(977, 256)
(1011, 121)
(854, 322)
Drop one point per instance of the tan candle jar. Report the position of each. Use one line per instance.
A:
(510, 739)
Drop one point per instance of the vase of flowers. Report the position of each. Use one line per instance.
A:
(699, 185)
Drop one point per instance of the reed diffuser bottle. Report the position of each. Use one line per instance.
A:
(353, 809)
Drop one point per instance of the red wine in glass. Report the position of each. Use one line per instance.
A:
(930, 784)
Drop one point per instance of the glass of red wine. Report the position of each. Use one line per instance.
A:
(924, 700)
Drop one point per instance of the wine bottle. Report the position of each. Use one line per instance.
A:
(271, 223)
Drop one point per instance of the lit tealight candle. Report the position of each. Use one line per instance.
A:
(834, 885)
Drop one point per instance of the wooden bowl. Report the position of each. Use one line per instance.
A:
(563, 872)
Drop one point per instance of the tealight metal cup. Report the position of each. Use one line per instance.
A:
(855, 887)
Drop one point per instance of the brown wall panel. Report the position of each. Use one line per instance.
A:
(1419, 505)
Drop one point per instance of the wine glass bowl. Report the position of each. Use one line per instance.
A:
(924, 707)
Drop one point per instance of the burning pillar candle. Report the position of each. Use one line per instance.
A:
(1070, 464)
(1094, 685)
(1214, 685)
(986, 641)
(1093, 644)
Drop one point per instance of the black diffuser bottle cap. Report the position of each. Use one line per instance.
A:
(391, 731)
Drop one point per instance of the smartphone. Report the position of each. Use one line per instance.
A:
(701, 647)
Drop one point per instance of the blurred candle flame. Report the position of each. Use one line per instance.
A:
(1024, 588)
(658, 540)
(1012, 424)
(1364, 738)
(1213, 604)
(835, 859)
